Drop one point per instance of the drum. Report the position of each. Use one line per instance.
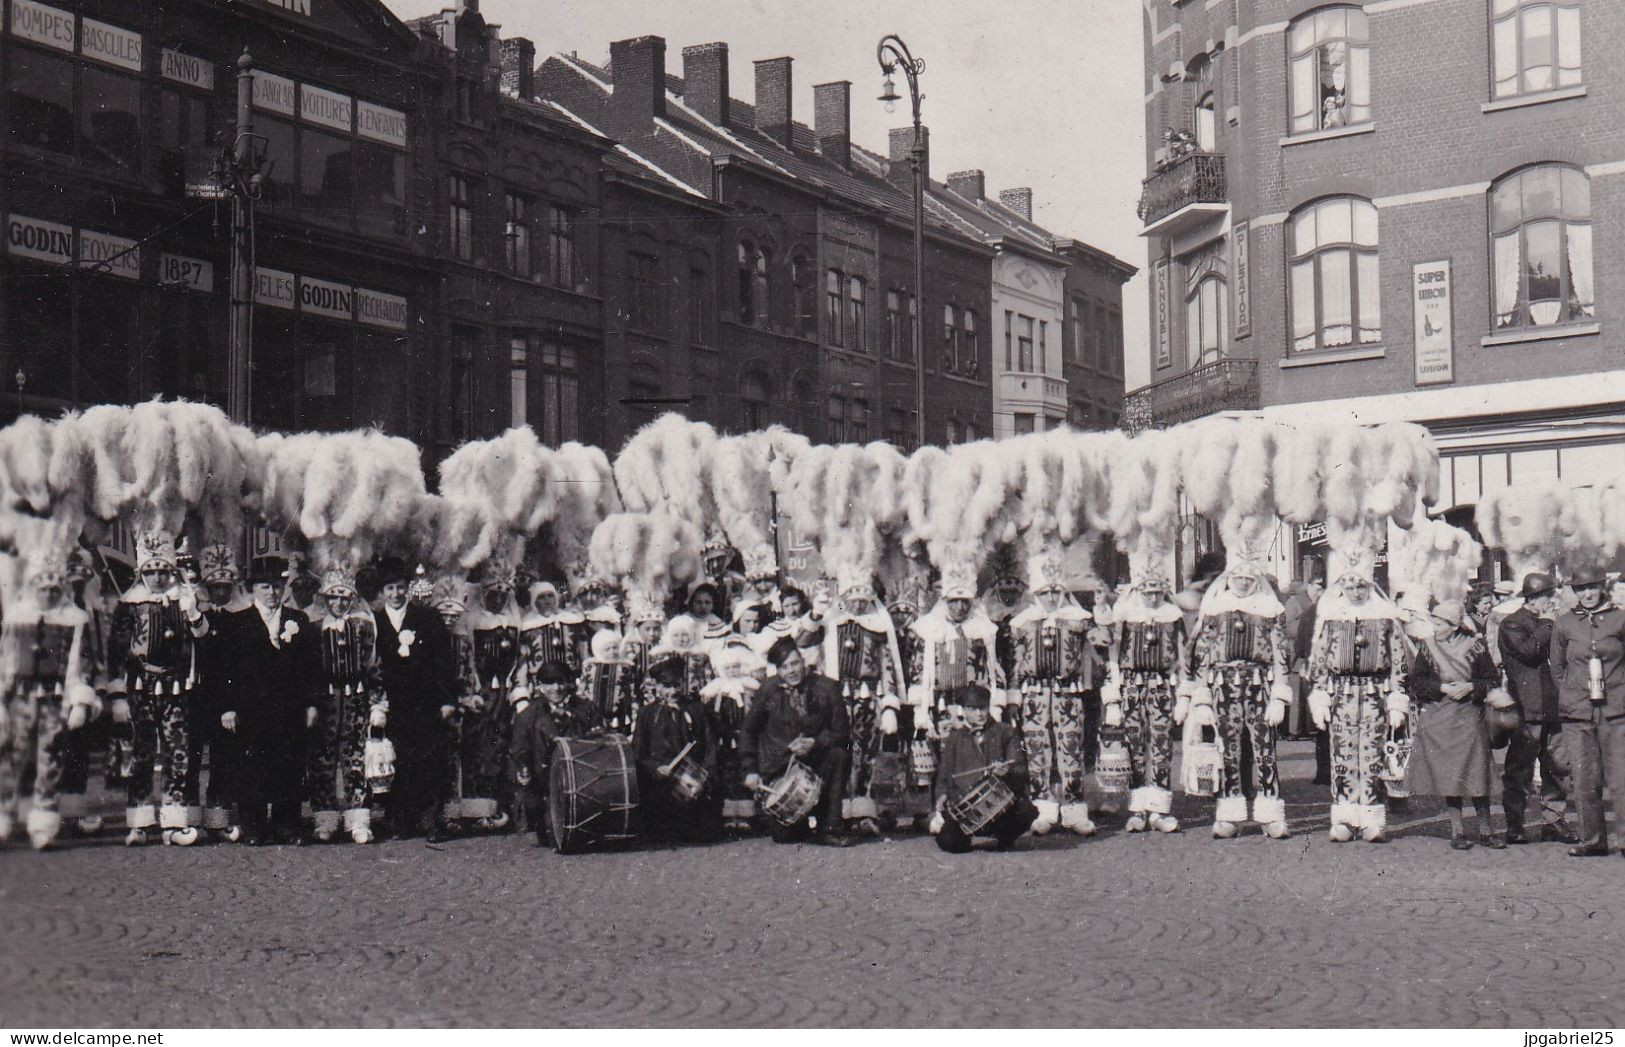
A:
(981, 804)
(794, 795)
(1202, 764)
(1114, 772)
(688, 780)
(592, 792)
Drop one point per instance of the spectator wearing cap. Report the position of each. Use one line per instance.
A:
(1588, 664)
(979, 747)
(799, 714)
(554, 710)
(1525, 639)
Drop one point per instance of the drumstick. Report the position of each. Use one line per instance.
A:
(974, 770)
(675, 760)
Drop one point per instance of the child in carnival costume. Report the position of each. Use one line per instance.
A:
(681, 639)
(490, 693)
(158, 626)
(860, 653)
(45, 691)
(353, 703)
(607, 682)
(729, 696)
(1054, 670)
(548, 634)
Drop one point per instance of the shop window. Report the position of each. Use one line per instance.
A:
(186, 335)
(1536, 45)
(325, 182)
(185, 141)
(110, 121)
(275, 397)
(1540, 234)
(1332, 257)
(380, 175)
(281, 165)
(39, 320)
(39, 89)
(325, 376)
(1330, 69)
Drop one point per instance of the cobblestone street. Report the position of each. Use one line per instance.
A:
(1120, 930)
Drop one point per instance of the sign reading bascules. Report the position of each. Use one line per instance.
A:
(181, 271)
(110, 44)
(274, 287)
(43, 25)
(324, 298)
(34, 238)
(273, 93)
(380, 124)
(187, 69)
(325, 107)
(109, 254)
(379, 309)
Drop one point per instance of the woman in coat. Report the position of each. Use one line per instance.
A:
(1450, 748)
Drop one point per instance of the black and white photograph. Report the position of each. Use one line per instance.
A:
(728, 516)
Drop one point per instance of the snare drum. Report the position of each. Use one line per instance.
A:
(592, 792)
(688, 780)
(981, 804)
(794, 795)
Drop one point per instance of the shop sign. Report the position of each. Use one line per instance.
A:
(798, 555)
(1241, 270)
(187, 69)
(324, 298)
(34, 238)
(327, 108)
(380, 124)
(274, 287)
(111, 254)
(110, 44)
(180, 271)
(380, 310)
(273, 93)
(43, 25)
(1162, 319)
(1430, 289)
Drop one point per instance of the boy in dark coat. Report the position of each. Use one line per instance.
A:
(977, 748)
(674, 721)
(268, 663)
(798, 714)
(552, 712)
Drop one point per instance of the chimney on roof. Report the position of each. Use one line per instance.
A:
(773, 99)
(972, 185)
(832, 120)
(705, 81)
(639, 94)
(901, 141)
(1019, 200)
(519, 68)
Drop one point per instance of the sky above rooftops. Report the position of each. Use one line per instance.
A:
(1040, 93)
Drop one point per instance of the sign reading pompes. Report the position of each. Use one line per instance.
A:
(43, 25)
(1430, 289)
(187, 69)
(110, 44)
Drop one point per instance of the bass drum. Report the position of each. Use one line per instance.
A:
(592, 792)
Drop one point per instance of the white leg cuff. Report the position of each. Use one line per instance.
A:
(451, 810)
(1347, 814)
(174, 816)
(1267, 809)
(479, 808)
(1373, 816)
(860, 807)
(1075, 818)
(1151, 799)
(143, 817)
(357, 818)
(43, 827)
(1231, 809)
(327, 821)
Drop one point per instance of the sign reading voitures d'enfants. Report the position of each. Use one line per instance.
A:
(1430, 289)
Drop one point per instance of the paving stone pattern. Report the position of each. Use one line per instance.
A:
(1121, 930)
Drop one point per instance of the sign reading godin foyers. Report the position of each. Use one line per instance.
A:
(1430, 288)
(282, 290)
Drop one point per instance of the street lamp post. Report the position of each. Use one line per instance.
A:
(237, 173)
(893, 55)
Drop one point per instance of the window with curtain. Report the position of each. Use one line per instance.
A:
(518, 380)
(1536, 45)
(1205, 322)
(1199, 75)
(764, 286)
(517, 234)
(560, 393)
(561, 247)
(644, 302)
(857, 316)
(804, 278)
(1024, 344)
(1330, 68)
(894, 325)
(1332, 262)
(462, 218)
(1540, 235)
(950, 340)
(970, 351)
(832, 306)
(747, 282)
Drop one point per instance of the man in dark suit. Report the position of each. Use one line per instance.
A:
(1525, 640)
(420, 681)
(267, 662)
(798, 714)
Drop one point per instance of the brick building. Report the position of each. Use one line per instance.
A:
(1402, 209)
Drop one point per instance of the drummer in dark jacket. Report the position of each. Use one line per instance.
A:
(552, 711)
(1591, 701)
(1525, 640)
(798, 714)
(420, 681)
(675, 727)
(978, 748)
(268, 663)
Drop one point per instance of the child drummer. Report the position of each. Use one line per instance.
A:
(675, 745)
(552, 712)
(977, 748)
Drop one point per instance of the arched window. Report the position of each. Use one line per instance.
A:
(1332, 255)
(764, 287)
(803, 277)
(1204, 122)
(753, 401)
(747, 282)
(1537, 45)
(1540, 232)
(1206, 322)
(1331, 69)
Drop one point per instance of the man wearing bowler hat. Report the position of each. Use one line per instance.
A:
(1525, 640)
(1588, 663)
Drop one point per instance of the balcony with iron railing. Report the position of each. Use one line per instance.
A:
(1190, 190)
(1223, 385)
